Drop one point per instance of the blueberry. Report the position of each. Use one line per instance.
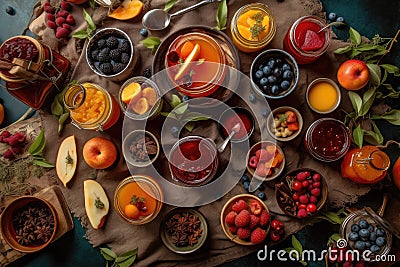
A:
(332, 16)
(277, 72)
(363, 224)
(367, 244)
(285, 85)
(340, 19)
(374, 248)
(263, 81)
(246, 185)
(272, 80)
(185, 98)
(244, 178)
(266, 89)
(380, 241)
(271, 63)
(175, 131)
(287, 75)
(10, 10)
(264, 113)
(365, 238)
(261, 195)
(259, 74)
(252, 98)
(355, 228)
(267, 70)
(286, 66)
(261, 67)
(372, 236)
(360, 245)
(353, 236)
(144, 32)
(278, 62)
(275, 90)
(370, 228)
(380, 232)
(364, 233)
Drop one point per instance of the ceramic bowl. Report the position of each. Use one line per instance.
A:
(9, 222)
(200, 232)
(233, 115)
(248, 198)
(323, 94)
(277, 124)
(266, 89)
(126, 148)
(272, 159)
(283, 188)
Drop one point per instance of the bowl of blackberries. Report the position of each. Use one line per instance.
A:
(110, 53)
(274, 74)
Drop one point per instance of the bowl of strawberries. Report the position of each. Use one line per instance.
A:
(284, 123)
(245, 219)
(265, 161)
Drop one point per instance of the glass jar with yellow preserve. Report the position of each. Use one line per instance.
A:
(91, 107)
(252, 27)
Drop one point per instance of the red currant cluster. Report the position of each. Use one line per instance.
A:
(59, 18)
(277, 230)
(340, 257)
(16, 142)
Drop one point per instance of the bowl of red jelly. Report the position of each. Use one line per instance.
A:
(231, 117)
(327, 139)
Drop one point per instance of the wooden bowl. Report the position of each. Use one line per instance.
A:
(278, 193)
(131, 137)
(228, 207)
(275, 172)
(282, 110)
(8, 227)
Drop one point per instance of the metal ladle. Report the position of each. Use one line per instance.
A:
(158, 19)
(235, 129)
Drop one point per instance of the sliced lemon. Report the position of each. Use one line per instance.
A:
(132, 92)
(127, 10)
(194, 55)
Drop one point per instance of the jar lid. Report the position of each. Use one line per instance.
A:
(382, 222)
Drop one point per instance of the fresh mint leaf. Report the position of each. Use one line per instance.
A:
(80, 34)
(368, 100)
(89, 20)
(180, 109)
(343, 50)
(169, 5)
(375, 74)
(61, 121)
(358, 136)
(56, 108)
(43, 163)
(222, 15)
(175, 101)
(108, 254)
(356, 101)
(355, 36)
(38, 145)
(152, 43)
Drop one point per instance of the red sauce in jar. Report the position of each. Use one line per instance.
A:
(245, 125)
(18, 48)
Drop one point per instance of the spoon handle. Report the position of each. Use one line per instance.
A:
(226, 141)
(190, 8)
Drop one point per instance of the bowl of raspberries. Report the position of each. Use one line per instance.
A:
(110, 53)
(245, 220)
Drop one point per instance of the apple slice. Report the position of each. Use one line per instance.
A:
(312, 41)
(186, 64)
(66, 160)
(96, 203)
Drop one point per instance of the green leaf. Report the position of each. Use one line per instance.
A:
(392, 116)
(358, 136)
(375, 74)
(180, 109)
(222, 14)
(349, 116)
(289, 249)
(151, 42)
(297, 245)
(56, 108)
(80, 34)
(195, 116)
(354, 53)
(343, 50)
(128, 262)
(373, 137)
(189, 126)
(356, 101)
(165, 114)
(303, 262)
(366, 47)
(38, 145)
(368, 100)
(355, 37)
(127, 255)
(335, 237)
(370, 59)
(169, 5)
(392, 69)
(332, 217)
(89, 20)
(61, 121)
(108, 254)
(175, 101)
(43, 163)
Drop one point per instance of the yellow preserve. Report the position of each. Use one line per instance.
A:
(253, 25)
(92, 107)
(323, 97)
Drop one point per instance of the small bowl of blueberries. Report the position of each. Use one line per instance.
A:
(274, 74)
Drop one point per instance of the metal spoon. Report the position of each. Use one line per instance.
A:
(235, 129)
(335, 23)
(158, 19)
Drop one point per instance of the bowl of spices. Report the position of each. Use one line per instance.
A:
(28, 224)
(140, 148)
(183, 230)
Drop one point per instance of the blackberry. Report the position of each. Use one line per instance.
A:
(124, 46)
(103, 57)
(95, 54)
(125, 58)
(101, 43)
(106, 51)
(112, 42)
(118, 67)
(147, 72)
(106, 68)
(115, 54)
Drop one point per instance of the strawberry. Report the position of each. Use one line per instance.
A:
(243, 233)
(230, 218)
(255, 207)
(65, 6)
(239, 206)
(258, 235)
(290, 116)
(51, 24)
(242, 219)
(233, 229)
(254, 221)
(70, 19)
(61, 33)
(264, 218)
(60, 21)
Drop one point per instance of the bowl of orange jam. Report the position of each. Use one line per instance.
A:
(323, 95)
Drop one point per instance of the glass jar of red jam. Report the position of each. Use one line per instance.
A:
(327, 139)
(233, 116)
(304, 41)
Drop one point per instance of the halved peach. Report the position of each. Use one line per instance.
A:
(127, 10)
(150, 94)
(141, 106)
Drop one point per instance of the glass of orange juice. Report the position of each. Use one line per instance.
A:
(323, 95)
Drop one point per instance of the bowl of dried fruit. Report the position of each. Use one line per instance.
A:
(245, 219)
(301, 193)
(284, 123)
(184, 230)
(140, 148)
(29, 224)
(265, 160)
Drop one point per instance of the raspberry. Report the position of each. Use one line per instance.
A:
(239, 206)
(51, 24)
(67, 27)
(112, 42)
(16, 149)
(242, 219)
(19, 136)
(5, 134)
(263, 155)
(50, 17)
(118, 67)
(60, 21)
(115, 54)
(12, 140)
(230, 218)
(258, 235)
(49, 9)
(264, 218)
(243, 233)
(301, 213)
(106, 68)
(70, 19)
(62, 33)
(8, 154)
(125, 58)
(62, 14)
(254, 221)
(101, 43)
(233, 229)
(124, 46)
(65, 6)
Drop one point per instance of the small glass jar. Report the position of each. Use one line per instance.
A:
(91, 107)
(297, 33)
(327, 139)
(239, 28)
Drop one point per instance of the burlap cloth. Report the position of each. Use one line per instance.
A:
(121, 236)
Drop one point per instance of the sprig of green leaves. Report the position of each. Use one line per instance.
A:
(124, 260)
(330, 216)
(58, 109)
(298, 247)
(222, 16)
(169, 5)
(36, 150)
(90, 29)
(152, 43)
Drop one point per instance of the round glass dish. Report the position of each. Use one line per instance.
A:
(139, 186)
(327, 139)
(133, 137)
(323, 95)
(235, 115)
(242, 36)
